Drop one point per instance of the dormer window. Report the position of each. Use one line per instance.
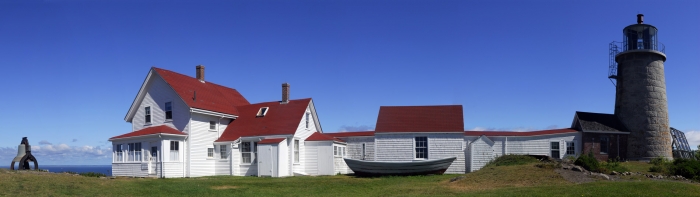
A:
(263, 111)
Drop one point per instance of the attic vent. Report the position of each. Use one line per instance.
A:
(262, 111)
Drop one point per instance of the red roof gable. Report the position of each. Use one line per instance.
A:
(281, 119)
(515, 133)
(351, 134)
(271, 141)
(321, 137)
(209, 96)
(445, 118)
(162, 129)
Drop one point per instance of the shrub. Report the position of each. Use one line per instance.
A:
(685, 167)
(588, 162)
(509, 160)
(612, 165)
(661, 165)
(93, 174)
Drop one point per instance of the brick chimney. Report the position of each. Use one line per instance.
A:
(200, 73)
(285, 93)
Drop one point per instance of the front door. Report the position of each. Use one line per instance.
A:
(266, 160)
(153, 160)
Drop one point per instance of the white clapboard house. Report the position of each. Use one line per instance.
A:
(411, 133)
(188, 127)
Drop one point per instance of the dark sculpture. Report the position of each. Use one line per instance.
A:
(24, 156)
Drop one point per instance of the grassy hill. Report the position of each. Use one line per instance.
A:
(511, 180)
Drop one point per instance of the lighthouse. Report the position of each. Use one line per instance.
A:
(637, 71)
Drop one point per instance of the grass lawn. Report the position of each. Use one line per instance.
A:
(518, 180)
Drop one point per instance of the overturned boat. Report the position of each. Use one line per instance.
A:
(381, 168)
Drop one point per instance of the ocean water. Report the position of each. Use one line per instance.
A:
(104, 169)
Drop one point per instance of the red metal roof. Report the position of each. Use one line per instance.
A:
(515, 133)
(281, 119)
(209, 96)
(445, 118)
(351, 134)
(321, 137)
(271, 141)
(162, 129)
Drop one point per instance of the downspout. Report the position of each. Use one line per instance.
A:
(161, 156)
(189, 132)
(183, 162)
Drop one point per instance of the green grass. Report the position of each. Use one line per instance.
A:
(513, 180)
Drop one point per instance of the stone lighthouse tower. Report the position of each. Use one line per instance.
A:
(637, 65)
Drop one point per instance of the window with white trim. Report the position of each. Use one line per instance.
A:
(335, 150)
(262, 111)
(421, 147)
(296, 151)
(604, 142)
(212, 125)
(342, 152)
(168, 110)
(223, 151)
(147, 112)
(174, 151)
(210, 152)
(307, 119)
(554, 147)
(134, 151)
(120, 153)
(570, 148)
(249, 152)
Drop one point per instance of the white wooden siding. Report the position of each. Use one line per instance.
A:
(400, 147)
(158, 92)
(339, 165)
(481, 152)
(301, 133)
(323, 155)
(128, 169)
(311, 159)
(172, 169)
(354, 147)
(283, 161)
(201, 138)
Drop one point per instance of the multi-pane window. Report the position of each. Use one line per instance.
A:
(249, 152)
(335, 150)
(342, 152)
(174, 150)
(168, 110)
(134, 151)
(120, 153)
(212, 125)
(604, 141)
(570, 148)
(210, 152)
(296, 151)
(421, 147)
(148, 114)
(223, 151)
(307, 120)
(554, 147)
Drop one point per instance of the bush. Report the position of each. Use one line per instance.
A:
(687, 168)
(509, 160)
(588, 162)
(612, 165)
(661, 165)
(93, 174)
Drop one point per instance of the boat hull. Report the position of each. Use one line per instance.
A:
(378, 168)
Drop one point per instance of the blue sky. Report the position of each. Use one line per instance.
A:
(72, 68)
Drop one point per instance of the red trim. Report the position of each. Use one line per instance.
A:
(515, 133)
(351, 134)
(271, 141)
(316, 136)
(162, 129)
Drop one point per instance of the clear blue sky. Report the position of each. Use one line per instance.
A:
(72, 68)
